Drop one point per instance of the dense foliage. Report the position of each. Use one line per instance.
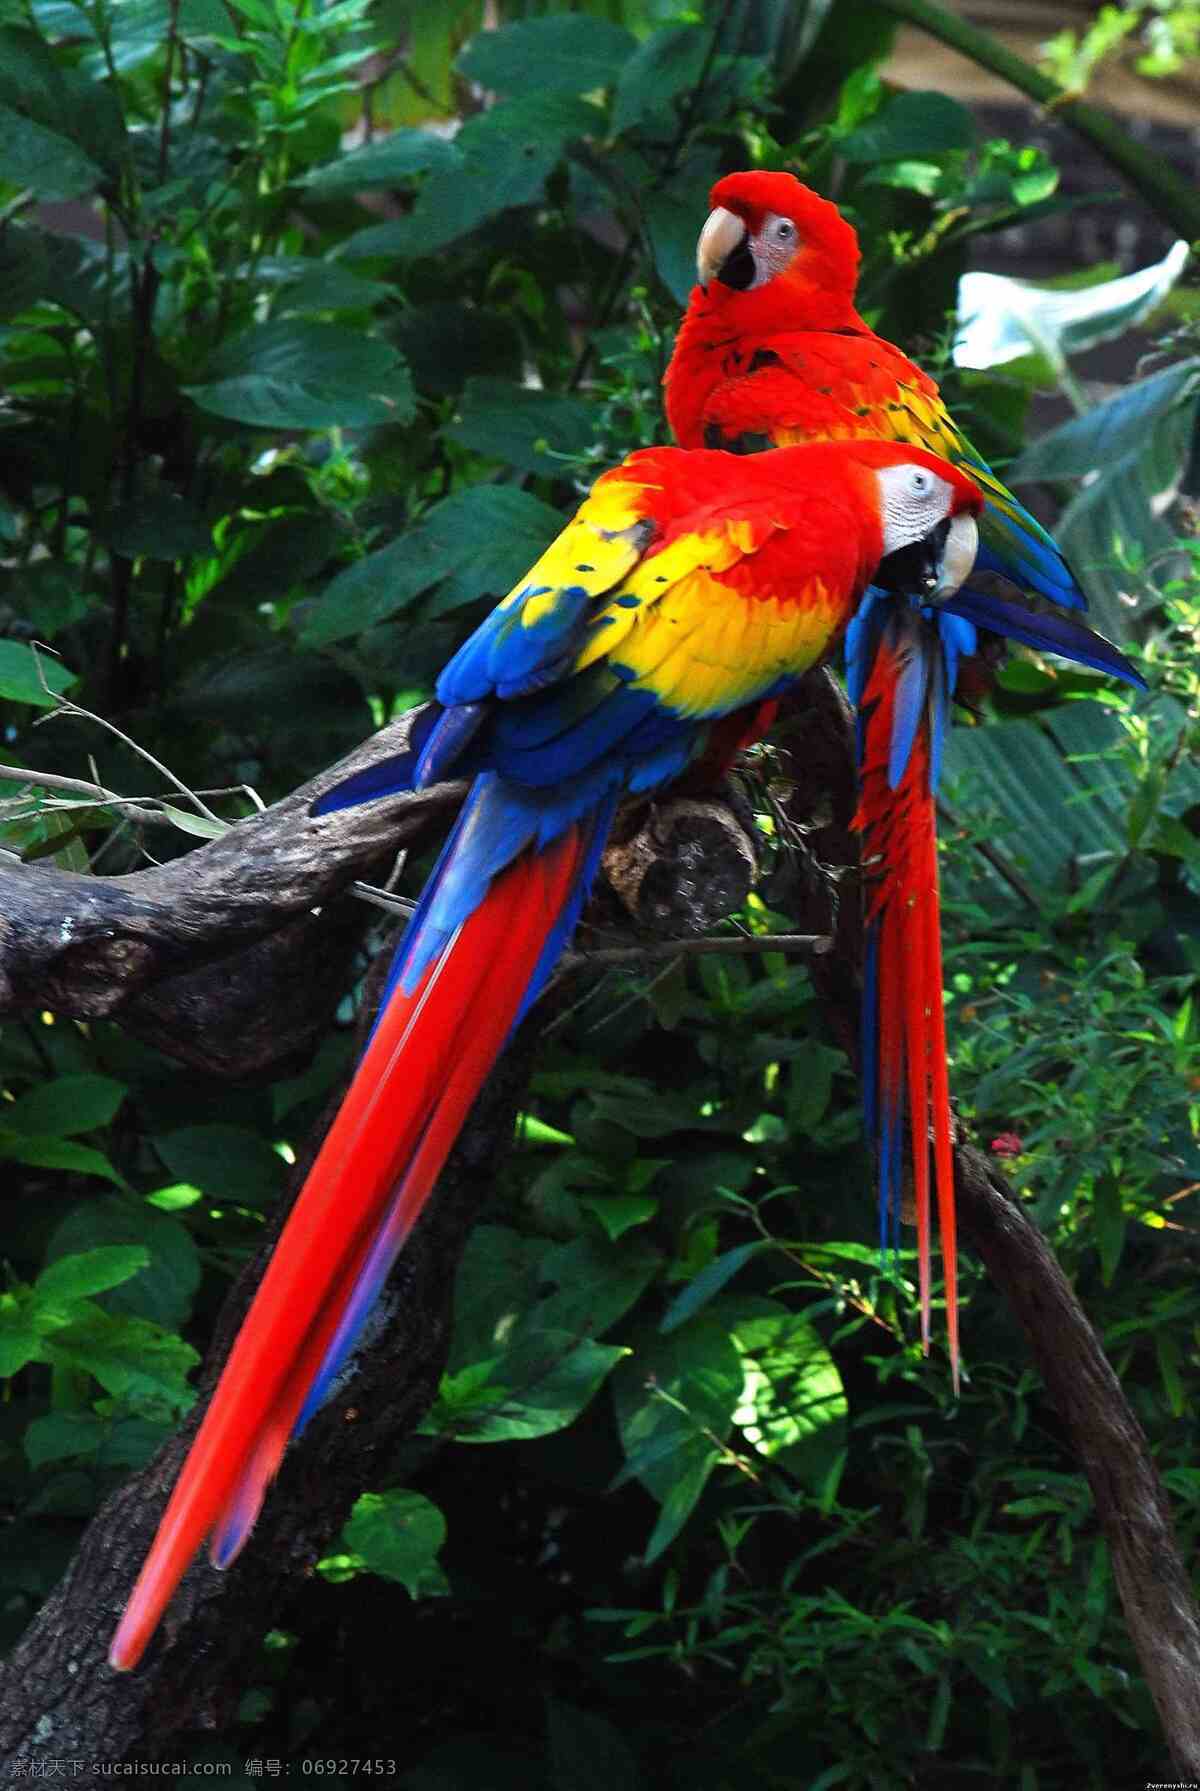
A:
(279, 420)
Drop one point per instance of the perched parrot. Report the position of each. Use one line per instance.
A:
(656, 633)
(772, 352)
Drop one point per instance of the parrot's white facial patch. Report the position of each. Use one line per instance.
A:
(914, 502)
(918, 506)
(774, 248)
(727, 251)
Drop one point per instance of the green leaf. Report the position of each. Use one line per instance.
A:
(130, 1357)
(530, 429)
(105, 1441)
(293, 375)
(23, 674)
(93, 1272)
(508, 1283)
(542, 1384)
(68, 1105)
(228, 1162)
(388, 162)
(508, 153)
(793, 1407)
(303, 285)
(619, 1213)
(670, 214)
(398, 1534)
(476, 543)
(674, 1396)
(57, 1153)
(1108, 1218)
(20, 1339)
(165, 1289)
(50, 165)
(667, 64)
(708, 1283)
(910, 125)
(1133, 449)
(564, 53)
(201, 827)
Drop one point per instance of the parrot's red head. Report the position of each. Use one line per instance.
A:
(769, 240)
(773, 257)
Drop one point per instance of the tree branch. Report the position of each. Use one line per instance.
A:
(1131, 1503)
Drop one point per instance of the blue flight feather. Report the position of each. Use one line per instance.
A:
(1046, 630)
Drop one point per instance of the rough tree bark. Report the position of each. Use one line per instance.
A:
(174, 951)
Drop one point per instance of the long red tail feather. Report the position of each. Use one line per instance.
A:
(905, 1034)
(428, 1056)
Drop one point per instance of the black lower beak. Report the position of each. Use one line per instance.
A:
(915, 570)
(738, 269)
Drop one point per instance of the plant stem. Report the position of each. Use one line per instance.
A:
(1165, 191)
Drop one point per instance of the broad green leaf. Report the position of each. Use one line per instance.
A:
(672, 1442)
(68, 1105)
(474, 544)
(128, 1356)
(508, 1283)
(23, 675)
(910, 125)
(1001, 319)
(671, 220)
(20, 1338)
(793, 1405)
(166, 1287)
(544, 1381)
(563, 53)
(228, 1162)
(508, 152)
(667, 64)
(294, 375)
(49, 165)
(532, 430)
(619, 1213)
(444, 344)
(398, 1534)
(387, 162)
(93, 1272)
(304, 286)
(1133, 450)
(1019, 769)
(107, 1442)
(57, 1153)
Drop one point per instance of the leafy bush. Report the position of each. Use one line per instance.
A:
(281, 419)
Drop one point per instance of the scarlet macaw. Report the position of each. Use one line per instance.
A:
(772, 352)
(690, 591)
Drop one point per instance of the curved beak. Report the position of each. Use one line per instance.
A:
(933, 568)
(723, 234)
(957, 557)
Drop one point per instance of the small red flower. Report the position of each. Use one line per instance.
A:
(1007, 1145)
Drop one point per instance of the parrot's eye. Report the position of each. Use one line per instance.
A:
(785, 230)
(922, 482)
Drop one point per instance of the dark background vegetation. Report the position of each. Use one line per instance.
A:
(279, 420)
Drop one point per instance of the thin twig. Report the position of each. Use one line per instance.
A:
(715, 945)
(64, 706)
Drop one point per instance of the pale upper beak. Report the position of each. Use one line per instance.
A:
(722, 233)
(958, 557)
